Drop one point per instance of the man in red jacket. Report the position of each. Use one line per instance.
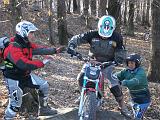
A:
(18, 67)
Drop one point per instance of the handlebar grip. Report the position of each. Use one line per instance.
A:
(109, 63)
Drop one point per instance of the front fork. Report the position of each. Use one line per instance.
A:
(81, 104)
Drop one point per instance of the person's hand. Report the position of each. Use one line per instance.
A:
(47, 59)
(60, 49)
(71, 51)
(124, 83)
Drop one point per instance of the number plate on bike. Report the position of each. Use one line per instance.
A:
(92, 73)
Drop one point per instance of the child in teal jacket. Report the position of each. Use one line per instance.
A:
(135, 79)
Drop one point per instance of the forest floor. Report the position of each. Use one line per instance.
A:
(61, 74)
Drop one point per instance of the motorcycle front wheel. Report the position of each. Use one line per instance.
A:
(89, 106)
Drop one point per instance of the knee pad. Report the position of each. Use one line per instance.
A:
(80, 79)
(117, 92)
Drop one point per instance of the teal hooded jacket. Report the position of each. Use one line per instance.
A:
(137, 83)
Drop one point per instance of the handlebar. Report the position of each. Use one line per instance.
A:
(88, 59)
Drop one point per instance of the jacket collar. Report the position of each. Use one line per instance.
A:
(24, 42)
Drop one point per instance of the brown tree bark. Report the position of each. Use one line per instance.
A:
(138, 15)
(155, 67)
(114, 8)
(85, 7)
(125, 12)
(130, 26)
(102, 8)
(62, 24)
(68, 2)
(15, 13)
(93, 7)
(50, 22)
(148, 14)
(144, 13)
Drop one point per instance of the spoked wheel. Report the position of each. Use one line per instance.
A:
(89, 108)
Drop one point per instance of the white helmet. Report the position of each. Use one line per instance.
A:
(106, 26)
(24, 28)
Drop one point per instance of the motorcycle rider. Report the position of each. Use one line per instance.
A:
(105, 45)
(18, 66)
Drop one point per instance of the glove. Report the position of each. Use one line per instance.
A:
(71, 51)
(47, 60)
(60, 49)
(79, 56)
(124, 83)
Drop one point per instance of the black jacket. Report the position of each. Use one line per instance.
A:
(103, 50)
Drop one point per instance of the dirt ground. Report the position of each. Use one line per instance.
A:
(61, 74)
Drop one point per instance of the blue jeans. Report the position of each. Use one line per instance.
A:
(140, 109)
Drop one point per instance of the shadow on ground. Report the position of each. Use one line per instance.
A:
(71, 114)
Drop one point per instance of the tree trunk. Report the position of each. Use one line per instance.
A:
(78, 6)
(155, 67)
(130, 29)
(85, 7)
(93, 7)
(62, 24)
(68, 6)
(114, 8)
(144, 13)
(50, 20)
(46, 2)
(42, 3)
(75, 6)
(125, 13)
(148, 14)
(138, 15)
(16, 13)
(86, 12)
(102, 8)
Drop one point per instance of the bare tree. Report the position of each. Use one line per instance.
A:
(68, 3)
(62, 24)
(50, 20)
(102, 7)
(85, 7)
(125, 12)
(138, 14)
(144, 12)
(130, 26)
(78, 6)
(114, 8)
(93, 7)
(46, 3)
(75, 6)
(155, 67)
(14, 9)
(148, 14)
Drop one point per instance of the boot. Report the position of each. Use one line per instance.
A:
(45, 109)
(9, 114)
(126, 112)
(123, 109)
